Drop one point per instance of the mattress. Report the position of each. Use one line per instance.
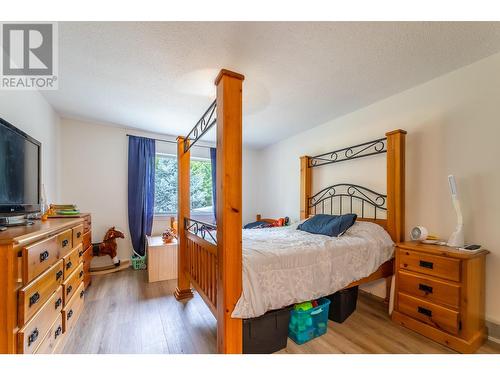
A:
(283, 265)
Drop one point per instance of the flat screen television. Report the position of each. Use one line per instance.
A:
(19, 171)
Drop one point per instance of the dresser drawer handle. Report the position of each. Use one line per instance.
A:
(59, 275)
(57, 332)
(32, 338)
(70, 314)
(425, 288)
(69, 265)
(81, 274)
(65, 243)
(80, 253)
(69, 289)
(44, 256)
(34, 298)
(424, 311)
(425, 264)
(78, 234)
(58, 303)
(82, 293)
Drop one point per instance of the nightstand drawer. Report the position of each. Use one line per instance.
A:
(434, 315)
(430, 289)
(442, 267)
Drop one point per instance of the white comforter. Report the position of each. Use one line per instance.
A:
(284, 265)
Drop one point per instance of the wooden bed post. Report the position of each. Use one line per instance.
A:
(305, 187)
(396, 184)
(229, 221)
(183, 290)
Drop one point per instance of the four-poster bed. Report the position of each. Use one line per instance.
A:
(210, 257)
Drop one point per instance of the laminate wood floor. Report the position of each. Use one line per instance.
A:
(124, 313)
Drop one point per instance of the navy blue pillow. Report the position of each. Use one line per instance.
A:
(257, 225)
(329, 225)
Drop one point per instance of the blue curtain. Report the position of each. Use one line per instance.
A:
(213, 162)
(141, 190)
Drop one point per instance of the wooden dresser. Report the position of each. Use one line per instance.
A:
(439, 293)
(42, 283)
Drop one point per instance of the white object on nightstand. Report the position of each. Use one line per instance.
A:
(162, 259)
(457, 237)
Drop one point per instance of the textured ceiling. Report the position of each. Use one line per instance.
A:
(159, 76)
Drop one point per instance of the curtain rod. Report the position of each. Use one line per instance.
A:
(167, 141)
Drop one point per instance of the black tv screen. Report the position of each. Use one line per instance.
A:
(19, 171)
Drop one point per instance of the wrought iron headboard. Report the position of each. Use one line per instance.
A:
(331, 199)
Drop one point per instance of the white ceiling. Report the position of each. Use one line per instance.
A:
(159, 76)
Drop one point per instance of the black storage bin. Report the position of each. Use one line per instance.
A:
(343, 304)
(267, 333)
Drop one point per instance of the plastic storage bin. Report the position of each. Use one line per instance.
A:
(267, 333)
(343, 304)
(306, 325)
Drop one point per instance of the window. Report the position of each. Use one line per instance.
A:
(166, 186)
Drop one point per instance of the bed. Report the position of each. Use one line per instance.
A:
(241, 274)
(283, 265)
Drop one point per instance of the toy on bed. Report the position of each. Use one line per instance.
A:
(267, 223)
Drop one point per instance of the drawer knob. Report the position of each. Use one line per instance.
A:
(81, 274)
(69, 289)
(33, 336)
(34, 298)
(424, 311)
(69, 265)
(70, 314)
(78, 234)
(82, 293)
(80, 254)
(57, 332)
(425, 288)
(58, 303)
(44, 256)
(59, 275)
(426, 264)
(65, 243)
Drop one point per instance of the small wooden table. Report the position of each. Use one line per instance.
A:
(162, 259)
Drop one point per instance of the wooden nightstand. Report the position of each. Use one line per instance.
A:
(162, 259)
(439, 293)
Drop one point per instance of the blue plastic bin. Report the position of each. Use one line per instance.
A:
(306, 325)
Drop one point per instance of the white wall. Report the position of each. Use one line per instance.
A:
(453, 127)
(30, 112)
(94, 176)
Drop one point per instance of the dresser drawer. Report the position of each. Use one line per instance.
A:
(442, 267)
(52, 338)
(71, 312)
(65, 242)
(39, 257)
(71, 261)
(430, 289)
(87, 240)
(77, 235)
(434, 315)
(35, 294)
(32, 334)
(71, 283)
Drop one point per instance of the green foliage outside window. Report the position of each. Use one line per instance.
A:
(166, 184)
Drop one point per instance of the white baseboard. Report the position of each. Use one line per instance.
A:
(494, 339)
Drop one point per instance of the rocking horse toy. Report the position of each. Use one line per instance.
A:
(108, 245)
